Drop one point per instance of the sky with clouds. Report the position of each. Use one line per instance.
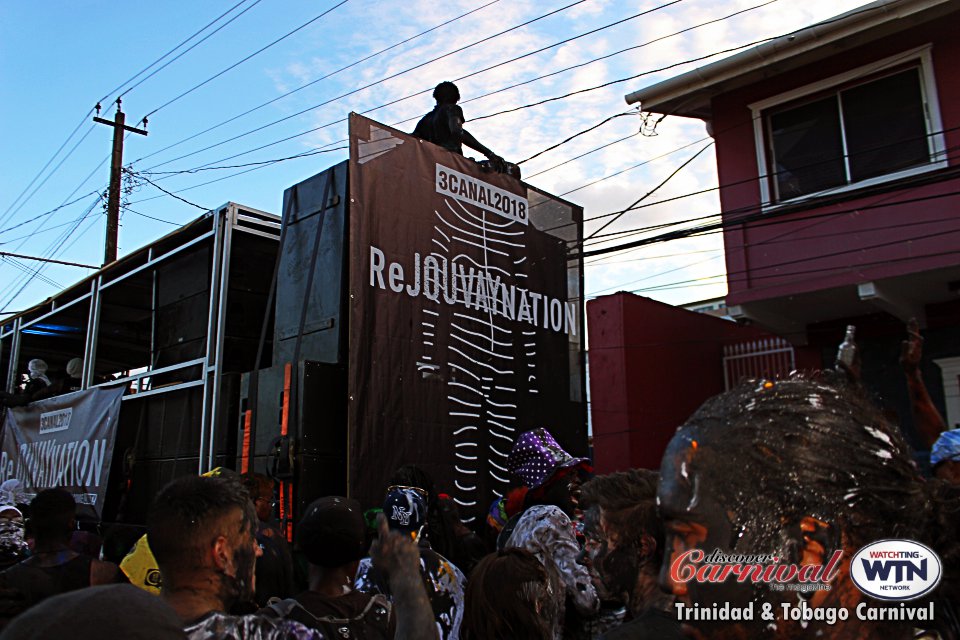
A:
(222, 104)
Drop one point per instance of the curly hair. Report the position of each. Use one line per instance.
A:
(629, 503)
(446, 93)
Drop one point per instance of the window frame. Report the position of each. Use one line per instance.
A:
(921, 57)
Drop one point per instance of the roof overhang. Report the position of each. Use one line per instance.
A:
(691, 93)
(904, 297)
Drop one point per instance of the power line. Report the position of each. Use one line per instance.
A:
(817, 198)
(578, 134)
(367, 86)
(314, 129)
(49, 253)
(652, 191)
(46, 213)
(803, 272)
(140, 176)
(604, 262)
(185, 51)
(143, 215)
(44, 167)
(583, 155)
(50, 260)
(638, 45)
(31, 272)
(474, 73)
(239, 62)
(753, 275)
(392, 102)
(668, 67)
(316, 80)
(35, 234)
(87, 115)
(297, 156)
(755, 220)
(598, 58)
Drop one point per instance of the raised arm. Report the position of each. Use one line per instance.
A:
(926, 419)
(397, 556)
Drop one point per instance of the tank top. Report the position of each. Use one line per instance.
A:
(37, 583)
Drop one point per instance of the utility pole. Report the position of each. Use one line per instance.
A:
(116, 169)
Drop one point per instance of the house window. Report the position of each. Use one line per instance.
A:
(849, 135)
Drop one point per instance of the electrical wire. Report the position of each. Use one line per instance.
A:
(487, 116)
(314, 81)
(87, 115)
(754, 272)
(758, 221)
(652, 191)
(598, 58)
(54, 247)
(583, 155)
(16, 264)
(5, 215)
(500, 64)
(297, 156)
(245, 59)
(577, 135)
(143, 215)
(474, 73)
(803, 272)
(188, 49)
(751, 209)
(140, 176)
(364, 87)
(46, 213)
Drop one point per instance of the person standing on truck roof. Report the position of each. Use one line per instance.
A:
(444, 125)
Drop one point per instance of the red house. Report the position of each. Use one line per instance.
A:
(838, 154)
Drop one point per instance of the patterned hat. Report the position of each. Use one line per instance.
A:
(947, 447)
(536, 456)
(405, 508)
(497, 516)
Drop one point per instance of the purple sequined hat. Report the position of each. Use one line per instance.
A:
(536, 456)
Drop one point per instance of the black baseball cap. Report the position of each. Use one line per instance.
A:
(332, 532)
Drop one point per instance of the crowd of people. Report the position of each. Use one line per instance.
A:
(40, 383)
(795, 469)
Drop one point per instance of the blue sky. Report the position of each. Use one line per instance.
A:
(58, 58)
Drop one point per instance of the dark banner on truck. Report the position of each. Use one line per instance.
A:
(465, 321)
(65, 441)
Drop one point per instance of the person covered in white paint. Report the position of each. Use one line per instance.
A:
(405, 509)
(37, 381)
(545, 524)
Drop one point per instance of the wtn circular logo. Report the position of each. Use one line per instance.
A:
(896, 569)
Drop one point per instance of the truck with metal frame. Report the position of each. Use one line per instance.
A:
(232, 336)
